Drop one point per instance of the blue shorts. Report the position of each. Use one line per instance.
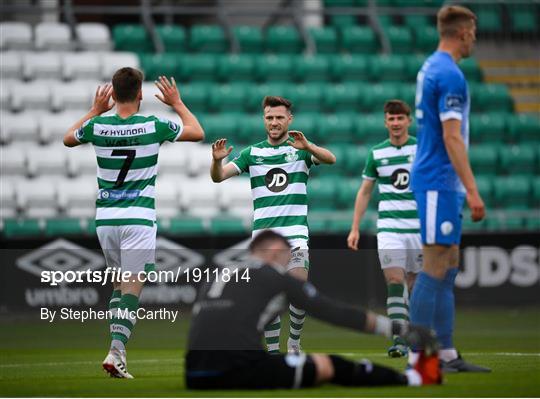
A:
(440, 216)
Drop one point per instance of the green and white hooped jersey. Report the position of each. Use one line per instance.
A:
(279, 176)
(391, 166)
(127, 155)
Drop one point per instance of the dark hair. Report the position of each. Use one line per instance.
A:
(261, 240)
(276, 101)
(397, 107)
(451, 18)
(126, 84)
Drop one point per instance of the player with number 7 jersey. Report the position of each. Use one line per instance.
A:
(127, 146)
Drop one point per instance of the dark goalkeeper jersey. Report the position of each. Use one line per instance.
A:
(232, 316)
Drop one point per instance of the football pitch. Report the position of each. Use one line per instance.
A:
(64, 358)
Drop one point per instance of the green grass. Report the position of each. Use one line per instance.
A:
(64, 359)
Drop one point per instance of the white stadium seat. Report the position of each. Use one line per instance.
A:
(73, 95)
(8, 203)
(167, 198)
(12, 161)
(42, 65)
(15, 36)
(11, 65)
(82, 161)
(199, 197)
(77, 197)
(150, 103)
(5, 92)
(37, 197)
(111, 62)
(53, 36)
(32, 96)
(48, 160)
(172, 158)
(84, 65)
(93, 36)
(19, 127)
(236, 197)
(52, 127)
(199, 160)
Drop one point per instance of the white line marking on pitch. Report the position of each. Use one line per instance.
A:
(179, 360)
(466, 354)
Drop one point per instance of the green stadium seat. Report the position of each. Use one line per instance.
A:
(336, 128)
(343, 20)
(485, 188)
(413, 64)
(340, 224)
(341, 97)
(318, 221)
(491, 98)
(322, 193)
(236, 68)
(220, 126)
(524, 19)
(196, 96)
(21, 228)
(489, 18)
(307, 123)
(155, 65)
(229, 97)
(356, 160)
(418, 3)
(484, 159)
(414, 21)
(349, 68)
(206, 39)
(134, 38)
(524, 128)
(250, 129)
(471, 69)
(407, 93)
(533, 223)
(284, 40)
(250, 39)
(511, 192)
(198, 67)
(377, 95)
(426, 38)
(173, 38)
(347, 189)
(385, 21)
(518, 159)
(63, 227)
(339, 3)
(359, 40)
(223, 225)
(277, 68)
(339, 149)
(400, 38)
(306, 97)
(486, 128)
(311, 68)
(186, 225)
(258, 92)
(387, 68)
(536, 192)
(370, 129)
(469, 226)
(325, 39)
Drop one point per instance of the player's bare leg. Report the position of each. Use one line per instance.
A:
(298, 316)
(397, 306)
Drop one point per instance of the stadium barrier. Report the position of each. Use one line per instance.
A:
(496, 269)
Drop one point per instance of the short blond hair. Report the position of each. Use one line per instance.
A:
(451, 18)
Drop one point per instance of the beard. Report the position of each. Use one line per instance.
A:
(278, 138)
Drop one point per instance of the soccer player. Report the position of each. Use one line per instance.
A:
(442, 178)
(225, 348)
(127, 146)
(279, 170)
(398, 230)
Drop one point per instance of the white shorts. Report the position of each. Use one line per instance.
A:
(299, 258)
(400, 250)
(131, 248)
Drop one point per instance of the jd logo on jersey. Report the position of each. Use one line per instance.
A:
(276, 180)
(400, 179)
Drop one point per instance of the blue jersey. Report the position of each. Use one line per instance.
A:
(441, 94)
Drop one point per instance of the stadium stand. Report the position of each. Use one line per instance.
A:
(49, 72)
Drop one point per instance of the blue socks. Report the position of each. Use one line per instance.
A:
(445, 310)
(432, 305)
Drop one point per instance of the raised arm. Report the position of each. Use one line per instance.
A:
(218, 172)
(100, 105)
(170, 96)
(455, 147)
(360, 205)
(322, 155)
